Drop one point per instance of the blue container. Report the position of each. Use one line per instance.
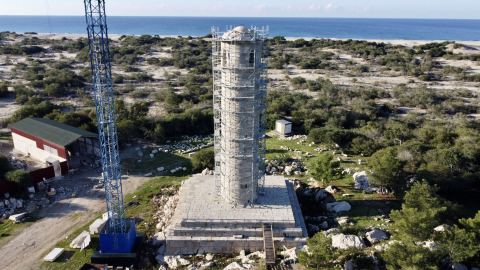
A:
(118, 242)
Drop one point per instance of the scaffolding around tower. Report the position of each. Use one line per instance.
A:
(239, 101)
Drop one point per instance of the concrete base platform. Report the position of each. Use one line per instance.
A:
(204, 223)
(121, 259)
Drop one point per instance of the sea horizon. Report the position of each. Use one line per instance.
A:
(292, 27)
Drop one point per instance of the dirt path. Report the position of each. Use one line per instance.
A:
(26, 250)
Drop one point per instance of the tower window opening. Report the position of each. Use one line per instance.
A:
(224, 58)
(251, 60)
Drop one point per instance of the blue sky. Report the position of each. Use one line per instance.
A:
(448, 9)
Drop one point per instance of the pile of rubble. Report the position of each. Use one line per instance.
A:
(17, 163)
(166, 208)
(294, 137)
(208, 172)
(9, 205)
(291, 168)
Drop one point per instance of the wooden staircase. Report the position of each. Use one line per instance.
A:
(268, 244)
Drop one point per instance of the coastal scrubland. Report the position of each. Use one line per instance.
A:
(409, 109)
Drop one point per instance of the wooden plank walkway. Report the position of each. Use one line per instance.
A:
(268, 244)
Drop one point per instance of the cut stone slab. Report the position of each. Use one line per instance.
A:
(54, 254)
(81, 241)
(18, 217)
(97, 226)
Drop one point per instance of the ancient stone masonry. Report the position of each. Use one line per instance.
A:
(205, 223)
(239, 75)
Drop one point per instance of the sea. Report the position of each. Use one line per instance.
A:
(354, 28)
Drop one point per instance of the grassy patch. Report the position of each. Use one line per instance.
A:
(72, 258)
(8, 229)
(145, 210)
(7, 137)
(160, 159)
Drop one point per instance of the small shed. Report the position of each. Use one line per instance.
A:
(283, 127)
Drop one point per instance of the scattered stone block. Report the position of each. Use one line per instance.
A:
(18, 217)
(31, 189)
(148, 174)
(160, 169)
(81, 240)
(54, 254)
(97, 226)
(152, 155)
(140, 154)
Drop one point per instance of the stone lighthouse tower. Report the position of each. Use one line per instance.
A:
(239, 67)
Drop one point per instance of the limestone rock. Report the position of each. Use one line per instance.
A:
(376, 236)
(235, 265)
(349, 265)
(331, 231)
(337, 207)
(441, 228)
(430, 245)
(158, 239)
(209, 257)
(331, 190)
(140, 154)
(324, 225)
(162, 250)
(342, 220)
(321, 194)
(361, 180)
(313, 228)
(206, 264)
(343, 241)
(457, 266)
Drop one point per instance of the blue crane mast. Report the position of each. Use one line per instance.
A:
(104, 104)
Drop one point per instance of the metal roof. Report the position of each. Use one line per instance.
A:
(285, 122)
(52, 131)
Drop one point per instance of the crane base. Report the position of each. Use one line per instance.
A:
(121, 259)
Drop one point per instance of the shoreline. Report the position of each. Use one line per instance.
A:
(393, 41)
(475, 45)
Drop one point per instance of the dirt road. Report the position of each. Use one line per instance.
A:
(57, 221)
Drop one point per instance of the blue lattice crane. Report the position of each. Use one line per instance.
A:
(117, 231)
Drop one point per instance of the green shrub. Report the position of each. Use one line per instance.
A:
(204, 158)
(20, 178)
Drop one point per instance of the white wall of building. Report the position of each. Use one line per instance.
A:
(27, 146)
